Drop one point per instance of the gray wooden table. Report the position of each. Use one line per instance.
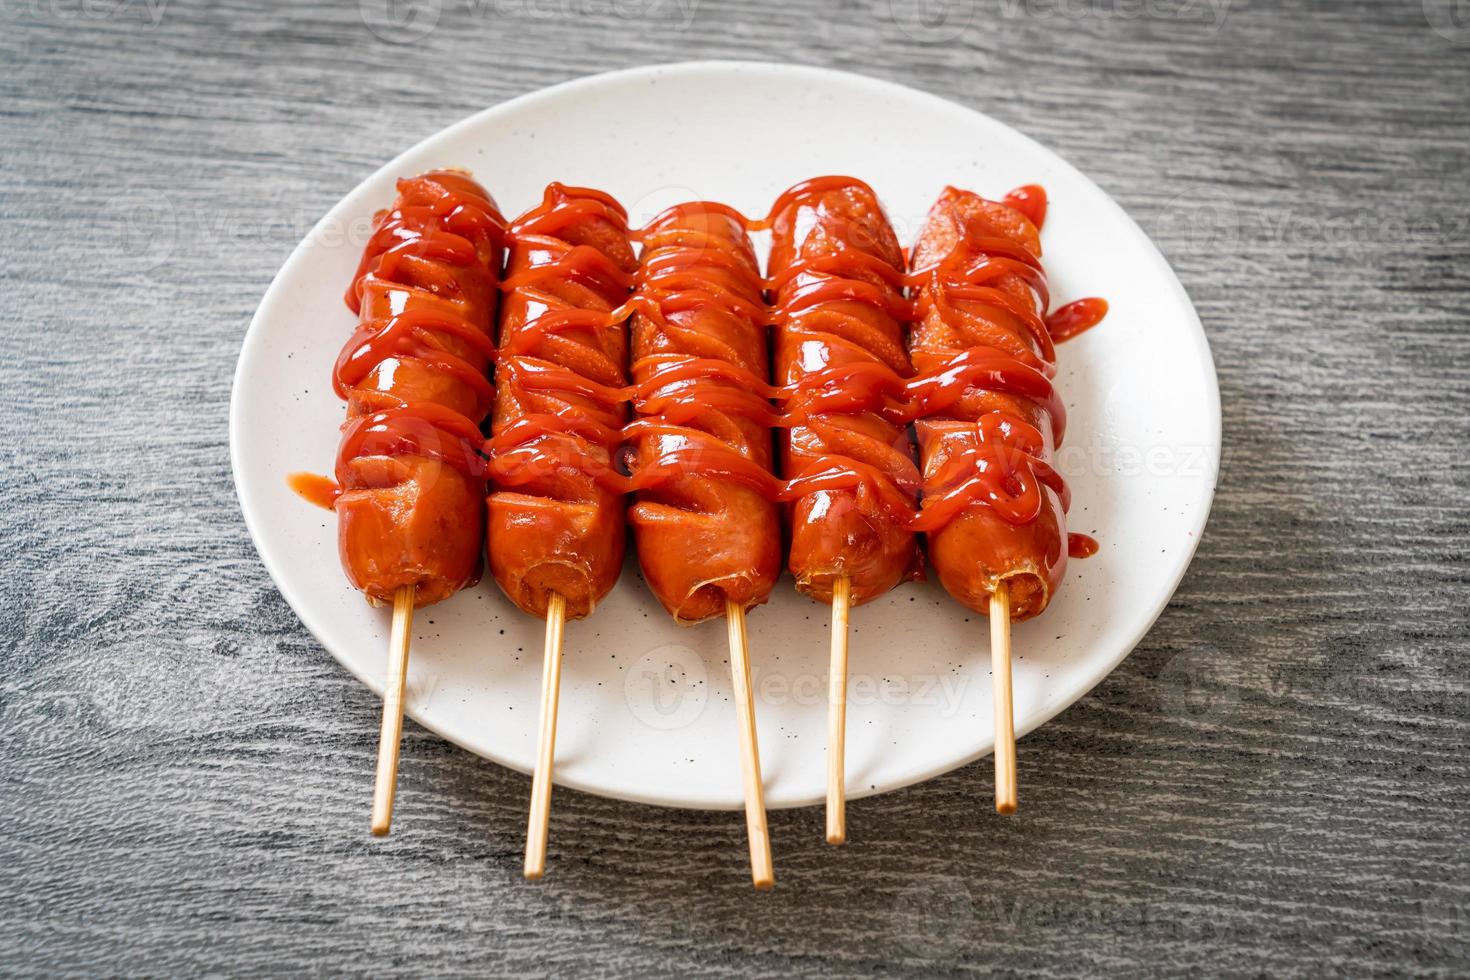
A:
(1275, 782)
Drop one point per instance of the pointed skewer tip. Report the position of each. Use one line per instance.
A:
(538, 821)
(385, 780)
(762, 872)
(837, 714)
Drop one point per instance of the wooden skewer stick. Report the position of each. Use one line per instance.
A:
(537, 825)
(761, 871)
(1005, 724)
(391, 733)
(837, 715)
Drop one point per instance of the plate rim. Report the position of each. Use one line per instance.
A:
(1208, 481)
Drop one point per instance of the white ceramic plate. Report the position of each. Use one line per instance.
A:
(646, 713)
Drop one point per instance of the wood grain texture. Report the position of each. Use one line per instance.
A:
(1276, 782)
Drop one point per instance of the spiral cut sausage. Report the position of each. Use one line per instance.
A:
(556, 522)
(409, 511)
(837, 274)
(705, 520)
(994, 509)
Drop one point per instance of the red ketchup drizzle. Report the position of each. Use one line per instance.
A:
(1003, 471)
(801, 191)
(1076, 318)
(1003, 468)
(440, 216)
(992, 370)
(1081, 545)
(1030, 200)
(703, 455)
(885, 478)
(533, 356)
(892, 495)
(414, 429)
(412, 333)
(693, 393)
(315, 489)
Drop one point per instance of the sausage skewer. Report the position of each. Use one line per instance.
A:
(762, 871)
(837, 714)
(413, 374)
(1003, 702)
(705, 517)
(390, 732)
(539, 820)
(555, 519)
(837, 275)
(989, 420)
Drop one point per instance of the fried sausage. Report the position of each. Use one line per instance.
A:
(556, 521)
(994, 509)
(837, 273)
(409, 512)
(705, 520)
